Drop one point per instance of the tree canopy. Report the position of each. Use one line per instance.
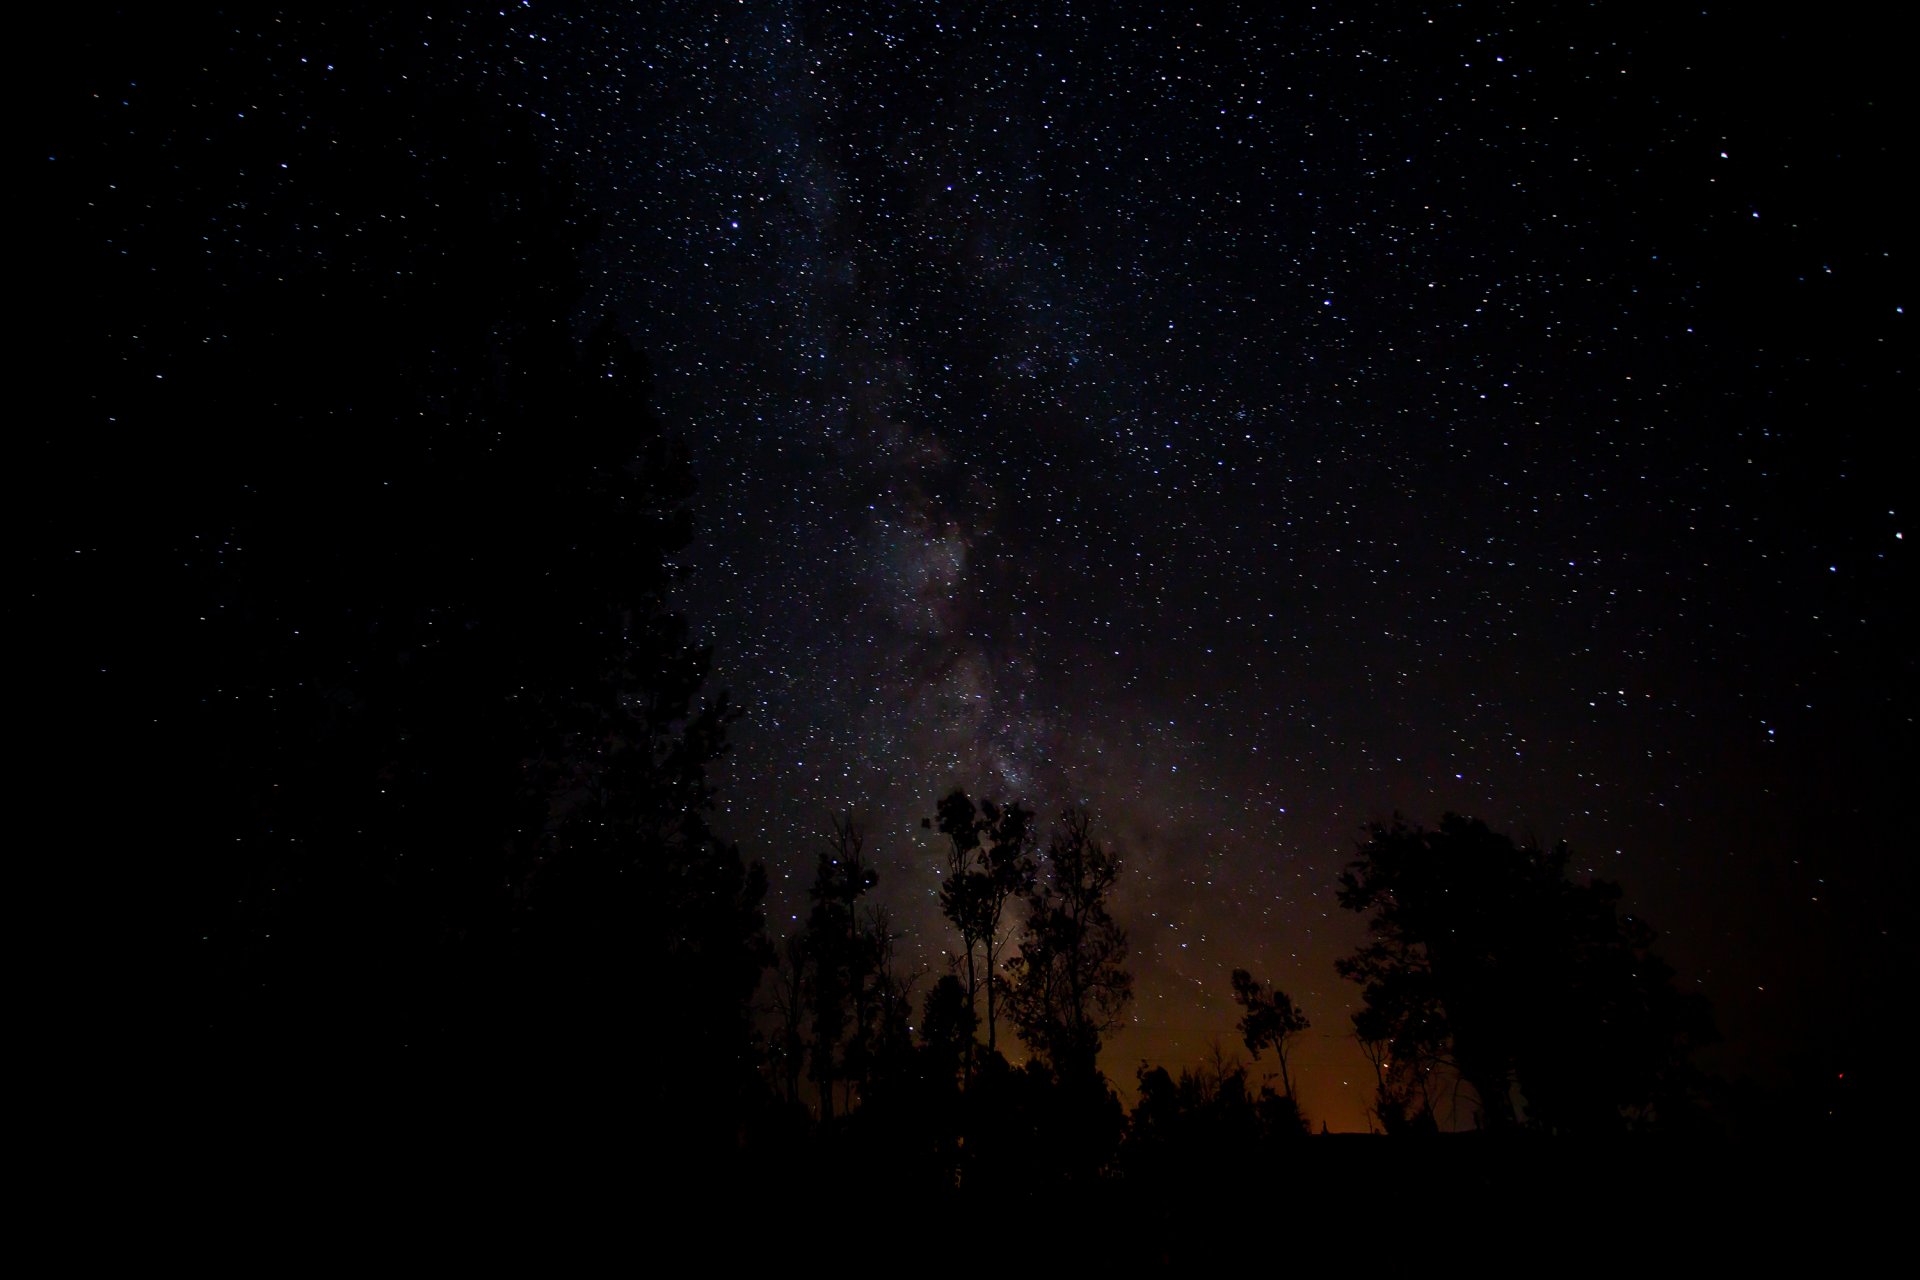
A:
(439, 741)
(1271, 1021)
(1485, 957)
(1070, 986)
(990, 864)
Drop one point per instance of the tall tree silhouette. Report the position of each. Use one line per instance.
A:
(948, 1024)
(790, 999)
(1402, 1031)
(1068, 986)
(1533, 984)
(438, 743)
(648, 914)
(889, 1047)
(990, 863)
(1271, 1020)
(844, 956)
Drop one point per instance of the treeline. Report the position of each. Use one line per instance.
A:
(933, 1095)
(1493, 987)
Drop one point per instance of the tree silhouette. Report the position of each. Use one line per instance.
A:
(1270, 1021)
(438, 740)
(790, 999)
(990, 863)
(889, 1047)
(631, 894)
(1402, 1032)
(1208, 1119)
(843, 954)
(1483, 955)
(1068, 986)
(948, 1025)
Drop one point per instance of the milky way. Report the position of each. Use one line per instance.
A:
(1253, 422)
(1252, 426)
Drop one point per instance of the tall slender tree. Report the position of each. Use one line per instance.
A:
(1008, 863)
(789, 1006)
(1271, 1021)
(961, 895)
(1069, 986)
(843, 956)
(990, 864)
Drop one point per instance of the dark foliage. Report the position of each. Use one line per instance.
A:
(1069, 985)
(433, 748)
(1270, 1022)
(1209, 1113)
(860, 1007)
(948, 1025)
(990, 864)
(1485, 957)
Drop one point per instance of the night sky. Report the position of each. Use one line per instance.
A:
(1252, 421)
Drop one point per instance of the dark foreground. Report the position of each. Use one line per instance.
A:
(287, 1192)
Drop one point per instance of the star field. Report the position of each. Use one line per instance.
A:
(1250, 421)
